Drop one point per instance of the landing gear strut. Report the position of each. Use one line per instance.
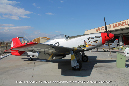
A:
(77, 67)
(84, 57)
(76, 64)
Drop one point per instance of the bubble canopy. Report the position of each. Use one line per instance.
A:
(61, 36)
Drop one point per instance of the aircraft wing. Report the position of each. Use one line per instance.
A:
(45, 50)
(42, 47)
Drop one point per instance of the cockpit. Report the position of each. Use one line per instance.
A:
(61, 36)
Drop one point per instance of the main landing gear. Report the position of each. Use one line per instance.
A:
(84, 57)
(76, 60)
(76, 64)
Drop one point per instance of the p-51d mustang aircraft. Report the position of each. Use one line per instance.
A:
(60, 46)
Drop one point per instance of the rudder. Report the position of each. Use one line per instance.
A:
(15, 42)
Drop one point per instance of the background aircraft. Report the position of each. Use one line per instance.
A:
(60, 46)
(114, 45)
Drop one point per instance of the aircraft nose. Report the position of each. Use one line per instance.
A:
(111, 35)
(106, 37)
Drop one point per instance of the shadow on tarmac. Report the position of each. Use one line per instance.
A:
(87, 67)
(27, 59)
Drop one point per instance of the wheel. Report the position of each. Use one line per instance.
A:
(31, 59)
(64, 56)
(84, 58)
(79, 66)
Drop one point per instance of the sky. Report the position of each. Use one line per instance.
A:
(46, 18)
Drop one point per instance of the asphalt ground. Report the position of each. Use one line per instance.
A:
(100, 70)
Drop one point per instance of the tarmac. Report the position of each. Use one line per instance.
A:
(100, 70)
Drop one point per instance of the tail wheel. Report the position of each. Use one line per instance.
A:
(30, 59)
(84, 58)
(78, 67)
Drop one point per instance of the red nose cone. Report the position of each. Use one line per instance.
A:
(105, 37)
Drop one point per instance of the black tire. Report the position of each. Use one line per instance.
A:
(80, 66)
(64, 56)
(85, 58)
(30, 59)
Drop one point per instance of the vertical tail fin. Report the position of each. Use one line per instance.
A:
(15, 42)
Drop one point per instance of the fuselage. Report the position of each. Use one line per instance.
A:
(91, 41)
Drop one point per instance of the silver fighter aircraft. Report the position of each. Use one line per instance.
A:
(60, 46)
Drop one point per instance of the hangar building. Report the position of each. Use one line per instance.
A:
(119, 29)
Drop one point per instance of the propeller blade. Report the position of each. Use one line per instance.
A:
(108, 33)
(105, 25)
(106, 28)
